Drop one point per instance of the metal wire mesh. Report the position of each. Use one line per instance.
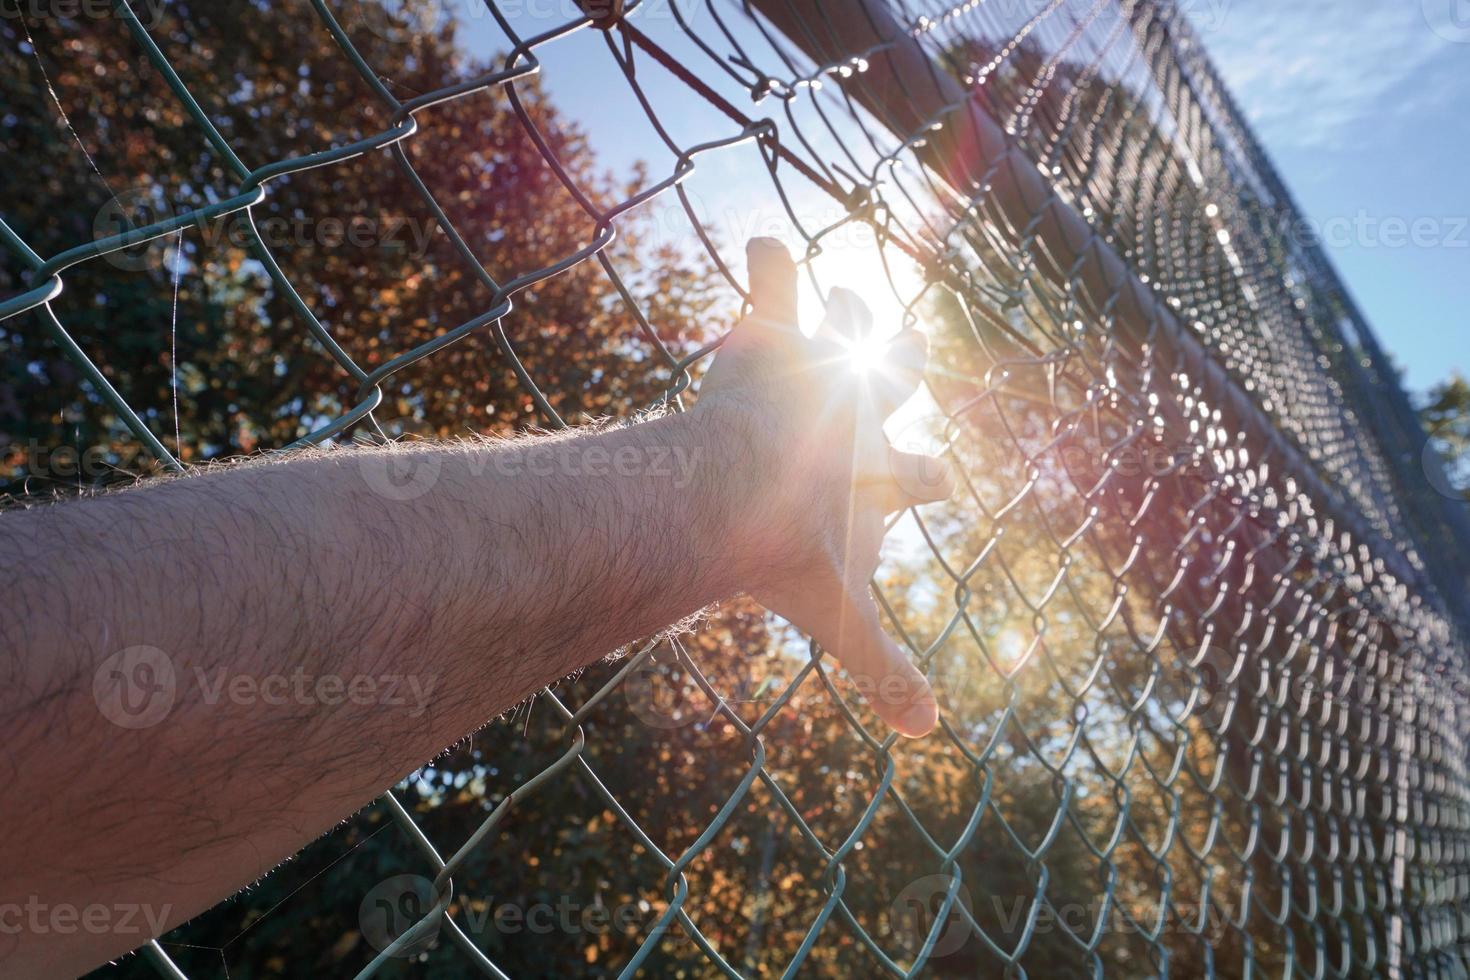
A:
(1197, 618)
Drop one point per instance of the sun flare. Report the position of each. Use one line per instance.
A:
(867, 355)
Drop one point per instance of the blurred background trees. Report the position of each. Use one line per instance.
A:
(361, 248)
(1445, 413)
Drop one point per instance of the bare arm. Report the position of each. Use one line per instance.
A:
(202, 676)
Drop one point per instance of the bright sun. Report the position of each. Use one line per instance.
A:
(867, 355)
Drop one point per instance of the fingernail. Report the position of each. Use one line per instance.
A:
(766, 243)
(919, 719)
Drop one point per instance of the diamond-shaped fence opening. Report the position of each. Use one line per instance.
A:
(1196, 616)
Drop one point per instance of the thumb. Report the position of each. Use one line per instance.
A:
(772, 282)
(917, 479)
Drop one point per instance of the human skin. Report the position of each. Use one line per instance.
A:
(504, 567)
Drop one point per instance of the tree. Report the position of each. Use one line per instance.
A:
(250, 376)
(1446, 418)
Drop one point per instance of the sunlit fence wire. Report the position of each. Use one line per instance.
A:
(1197, 617)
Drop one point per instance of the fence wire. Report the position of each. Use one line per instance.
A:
(1196, 619)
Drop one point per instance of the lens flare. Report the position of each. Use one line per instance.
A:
(867, 355)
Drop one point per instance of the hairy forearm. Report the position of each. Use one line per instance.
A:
(203, 674)
(317, 629)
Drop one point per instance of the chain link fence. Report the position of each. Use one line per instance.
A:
(1196, 619)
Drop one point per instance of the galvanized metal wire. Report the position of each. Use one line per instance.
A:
(1188, 472)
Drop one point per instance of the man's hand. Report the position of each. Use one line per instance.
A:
(822, 476)
(498, 569)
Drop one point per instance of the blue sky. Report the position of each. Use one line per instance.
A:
(1364, 105)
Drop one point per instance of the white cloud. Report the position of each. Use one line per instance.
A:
(1311, 73)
